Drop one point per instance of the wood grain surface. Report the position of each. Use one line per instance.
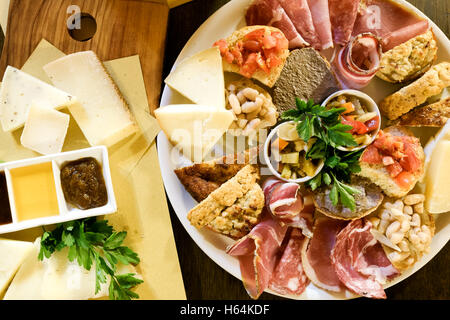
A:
(124, 28)
(202, 277)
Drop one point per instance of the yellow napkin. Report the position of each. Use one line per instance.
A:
(138, 186)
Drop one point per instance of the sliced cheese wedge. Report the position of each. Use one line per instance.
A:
(55, 278)
(437, 192)
(45, 130)
(12, 254)
(200, 78)
(194, 129)
(102, 114)
(20, 90)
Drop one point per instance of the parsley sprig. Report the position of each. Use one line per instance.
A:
(324, 125)
(91, 242)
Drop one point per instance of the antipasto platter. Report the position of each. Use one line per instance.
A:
(305, 153)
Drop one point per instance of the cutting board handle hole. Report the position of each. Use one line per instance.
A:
(87, 28)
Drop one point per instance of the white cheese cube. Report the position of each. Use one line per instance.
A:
(45, 130)
(102, 114)
(20, 90)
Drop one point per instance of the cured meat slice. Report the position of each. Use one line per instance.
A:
(316, 254)
(271, 13)
(360, 262)
(288, 276)
(300, 15)
(258, 254)
(357, 63)
(287, 205)
(320, 14)
(389, 21)
(343, 15)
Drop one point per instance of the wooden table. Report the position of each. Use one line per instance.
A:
(204, 279)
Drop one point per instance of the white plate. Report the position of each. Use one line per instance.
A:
(222, 23)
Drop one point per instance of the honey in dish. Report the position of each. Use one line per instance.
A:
(5, 209)
(34, 192)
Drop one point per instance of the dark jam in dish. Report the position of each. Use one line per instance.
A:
(83, 184)
(5, 209)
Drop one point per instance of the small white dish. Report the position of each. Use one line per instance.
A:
(270, 138)
(371, 107)
(66, 211)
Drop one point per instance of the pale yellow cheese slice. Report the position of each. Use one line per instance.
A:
(437, 194)
(194, 129)
(200, 78)
(12, 254)
(20, 90)
(55, 278)
(45, 130)
(102, 114)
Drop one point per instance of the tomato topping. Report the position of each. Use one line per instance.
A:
(258, 49)
(394, 169)
(373, 124)
(371, 155)
(410, 162)
(404, 179)
(358, 126)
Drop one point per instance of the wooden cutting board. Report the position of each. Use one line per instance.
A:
(123, 28)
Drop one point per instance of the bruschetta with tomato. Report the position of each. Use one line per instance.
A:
(257, 52)
(394, 161)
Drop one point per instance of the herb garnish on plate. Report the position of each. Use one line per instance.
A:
(95, 242)
(323, 124)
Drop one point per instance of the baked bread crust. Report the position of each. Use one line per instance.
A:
(430, 84)
(433, 115)
(266, 79)
(378, 174)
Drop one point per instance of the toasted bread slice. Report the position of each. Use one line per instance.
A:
(201, 179)
(367, 201)
(432, 83)
(234, 208)
(266, 79)
(378, 174)
(433, 115)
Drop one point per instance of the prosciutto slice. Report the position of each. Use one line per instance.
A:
(288, 276)
(316, 254)
(358, 62)
(321, 17)
(286, 204)
(271, 13)
(389, 21)
(300, 15)
(343, 15)
(258, 254)
(360, 262)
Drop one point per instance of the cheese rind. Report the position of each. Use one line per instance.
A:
(13, 253)
(194, 129)
(200, 78)
(438, 175)
(20, 90)
(102, 113)
(45, 130)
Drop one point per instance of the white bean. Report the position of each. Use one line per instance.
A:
(403, 245)
(234, 103)
(423, 237)
(396, 237)
(405, 226)
(242, 99)
(251, 126)
(232, 88)
(383, 225)
(249, 107)
(413, 199)
(250, 93)
(408, 210)
(393, 227)
(418, 207)
(396, 213)
(415, 222)
(398, 205)
(386, 215)
(242, 123)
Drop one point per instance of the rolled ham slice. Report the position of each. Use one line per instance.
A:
(390, 21)
(316, 254)
(343, 15)
(358, 62)
(288, 276)
(321, 17)
(300, 15)
(271, 13)
(360, 262)
(258, 254)
(288, 206)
